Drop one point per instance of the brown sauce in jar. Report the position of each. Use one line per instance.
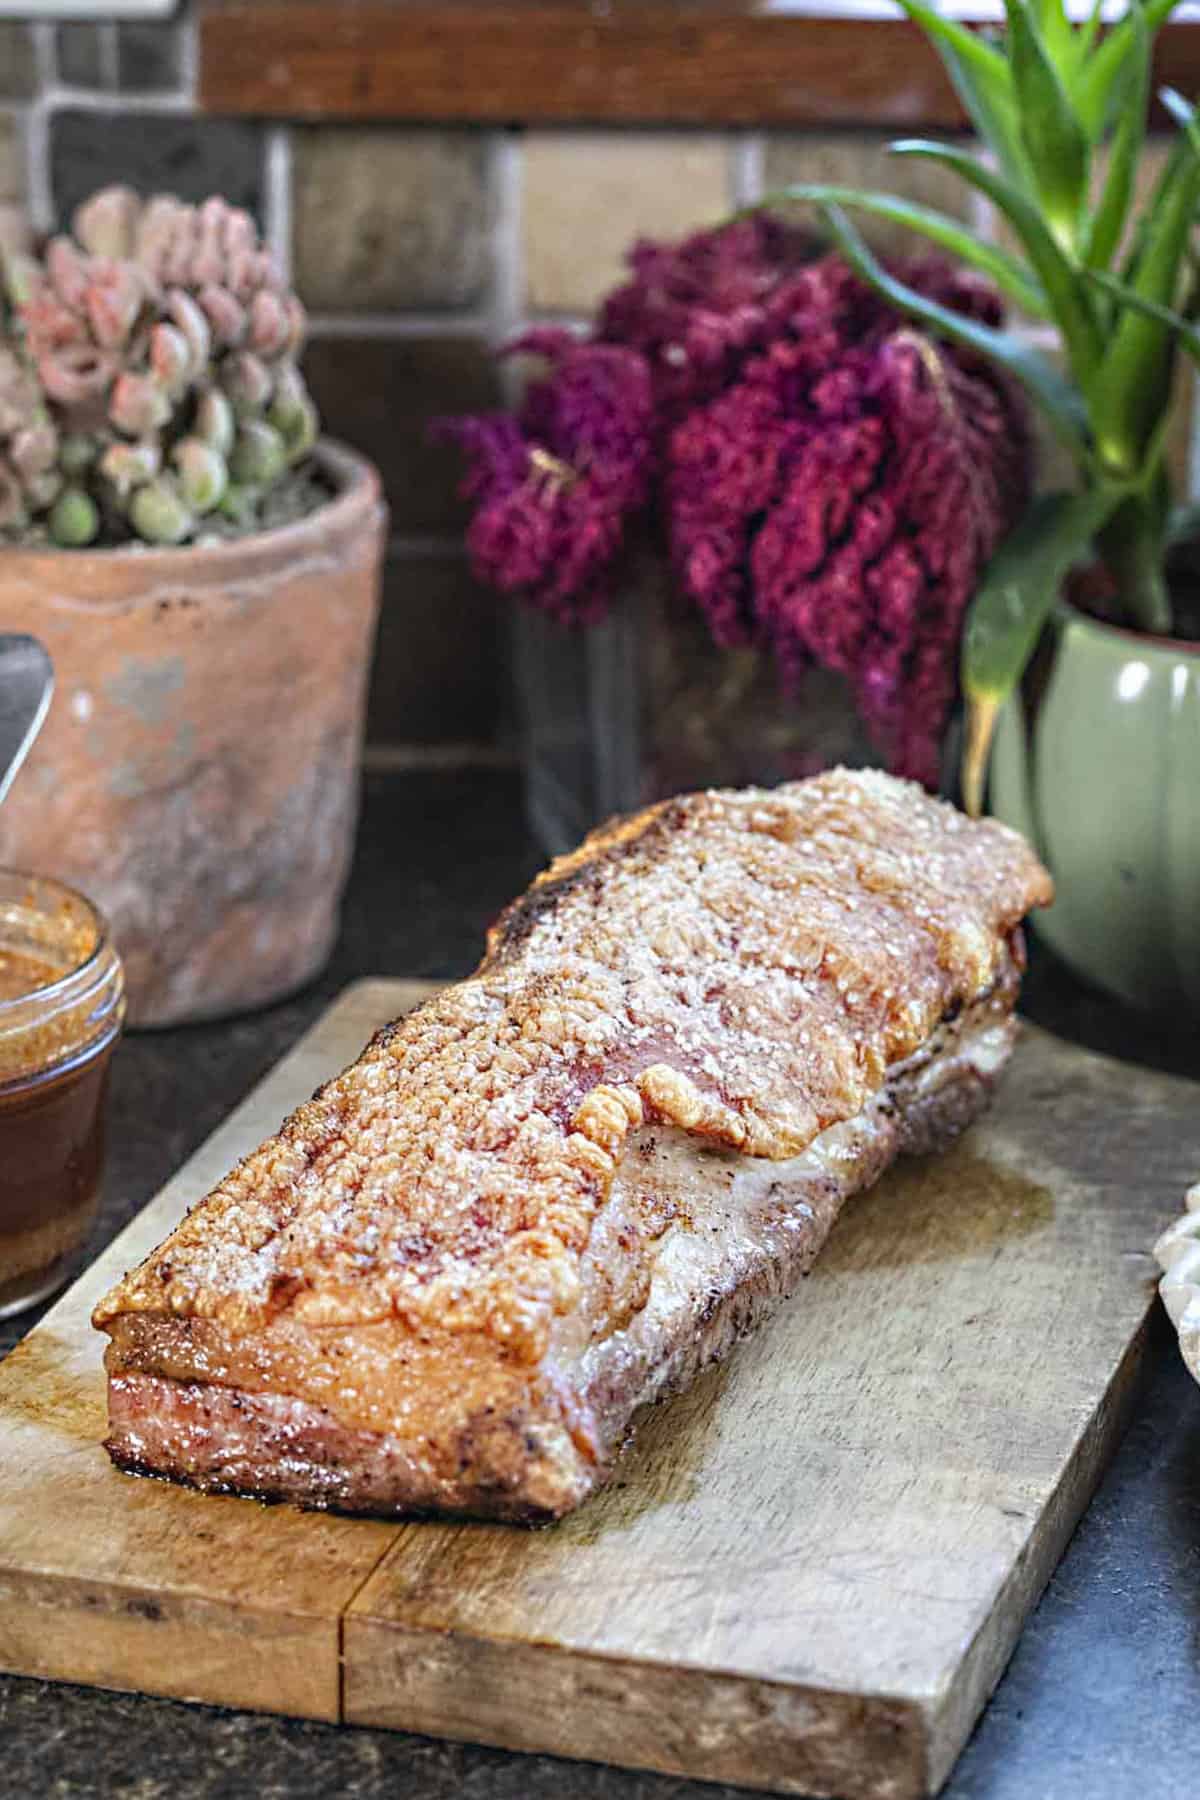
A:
(61, 1025)
(51, 1157)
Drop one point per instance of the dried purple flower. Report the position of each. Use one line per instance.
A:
(829, 479)
(696, 309)
(556, 488)
(838, 501)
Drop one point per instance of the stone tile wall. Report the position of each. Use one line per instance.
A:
(416, 250)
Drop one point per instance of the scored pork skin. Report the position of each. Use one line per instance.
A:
(751, 1232)
(452, 1277)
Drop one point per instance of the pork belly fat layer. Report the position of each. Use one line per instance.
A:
(734, 1235)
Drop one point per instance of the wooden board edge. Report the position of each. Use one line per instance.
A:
(347, 998)
(205, 1652)
(201, 1647)
(955, 1713)
(705, 1725)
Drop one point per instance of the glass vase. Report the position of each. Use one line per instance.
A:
(643, 705)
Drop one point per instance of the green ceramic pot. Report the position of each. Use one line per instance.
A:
(1098, 764)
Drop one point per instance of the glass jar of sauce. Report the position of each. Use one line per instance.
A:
(62, 1002)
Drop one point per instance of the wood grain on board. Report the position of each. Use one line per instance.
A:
(809, 1571)
(815, 1564)
(136, 1584)
(683, 62)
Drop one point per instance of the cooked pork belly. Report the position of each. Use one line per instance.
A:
(559, 1189)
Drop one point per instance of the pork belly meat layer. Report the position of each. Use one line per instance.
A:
(557, 1190)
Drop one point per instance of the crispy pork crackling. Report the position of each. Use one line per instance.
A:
(556, 1191)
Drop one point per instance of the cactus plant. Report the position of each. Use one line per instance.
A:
(149, 379)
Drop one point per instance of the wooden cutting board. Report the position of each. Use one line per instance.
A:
(810, 1570)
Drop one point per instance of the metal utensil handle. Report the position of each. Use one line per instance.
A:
(26, 689)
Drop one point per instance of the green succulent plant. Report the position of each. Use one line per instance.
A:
(1060, 109)
(148, 374)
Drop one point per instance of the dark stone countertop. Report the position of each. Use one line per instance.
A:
(1102, 1699)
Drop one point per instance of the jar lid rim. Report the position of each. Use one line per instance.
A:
(71, 983)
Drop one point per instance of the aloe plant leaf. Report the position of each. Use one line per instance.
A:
(980, 76)
(1011, 607)
(1190, 342)
(1056, 396)
(1180, 154)
(1010, 275)
(1137, 245)
(1097, 87)
(1055, 142)
(1054, 29)
(1135, 380)
(1108, 220)
(1124, 295)
(1066, 291)
(986, 63)
(1088, 32)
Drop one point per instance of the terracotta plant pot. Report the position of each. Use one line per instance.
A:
(197, 775)
(1099, 765)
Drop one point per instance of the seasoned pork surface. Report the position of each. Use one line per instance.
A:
(559, 1188)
